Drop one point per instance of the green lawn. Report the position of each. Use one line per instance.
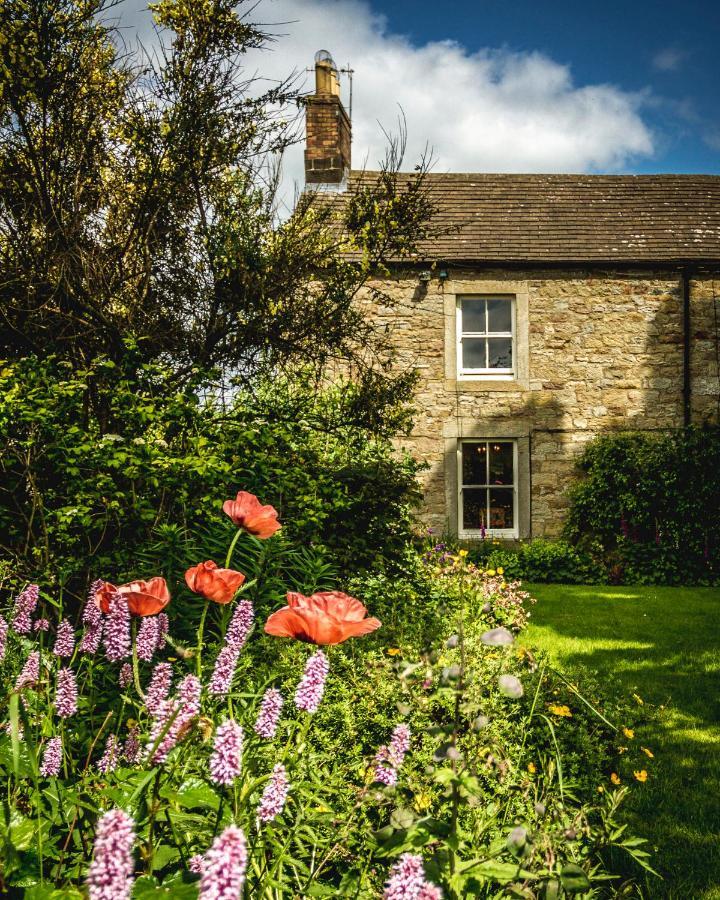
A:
(664, 645)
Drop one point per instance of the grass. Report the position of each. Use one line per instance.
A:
(662, 644)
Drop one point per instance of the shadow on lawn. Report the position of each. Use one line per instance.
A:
(664, 645)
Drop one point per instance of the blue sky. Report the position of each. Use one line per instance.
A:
(666, 50)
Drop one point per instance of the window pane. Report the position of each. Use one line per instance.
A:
(501, 508)
(501, 462)
(473, 353)
(500, 353)
(473, 315)
(474, 508)
(474, 464)
(499, 315)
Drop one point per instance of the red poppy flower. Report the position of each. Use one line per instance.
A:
(218, 585)
(247, 512)
(328, 617)
(144, 598)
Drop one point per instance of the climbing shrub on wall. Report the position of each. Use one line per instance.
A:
(648, 506)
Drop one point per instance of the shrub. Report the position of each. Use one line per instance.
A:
(82, 496)
(539, 561)
(648, 506)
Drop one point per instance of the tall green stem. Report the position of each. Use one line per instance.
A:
(231, 548)
(201, 629)
(135, 666)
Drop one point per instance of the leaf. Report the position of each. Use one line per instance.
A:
(494, 870)
(163, 856)
(148, 886)
(574, 879)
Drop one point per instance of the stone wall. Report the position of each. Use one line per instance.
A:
(604, 350)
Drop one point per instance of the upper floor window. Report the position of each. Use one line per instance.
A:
(486, 337)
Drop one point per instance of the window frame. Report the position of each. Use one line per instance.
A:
(504, 533)
(485, 374)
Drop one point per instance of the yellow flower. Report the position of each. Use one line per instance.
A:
(491, 572)
(500, 570)
(601, 789)
(462, 553)
(393, 651)
(629, 733)
(531, 768)
(563, 711)
(648, 752)
(641, 775)
(422, 802)
(503, 586)
(622, 749)
(615, 778)
(639, 700)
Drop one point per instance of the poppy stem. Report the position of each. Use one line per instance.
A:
(201, 628)
(231, 548)
(135, 668)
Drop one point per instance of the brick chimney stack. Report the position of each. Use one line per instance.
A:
(327, 142)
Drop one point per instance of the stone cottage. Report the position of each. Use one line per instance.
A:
(563, 307)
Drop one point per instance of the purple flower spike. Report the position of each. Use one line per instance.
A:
(110, 873)
(41, 625)
(109, 760)
(158, 688)
(196, 864)
(240, 624)
(269, 715)
(224, 864)
(274, 796)
(226, 759)
(222, 676)
(3, 637)
(66, 694)
(30, 671)
(93, 621)
(147, 639)
(399, 745)
(25, 604)
(310, 690)
(52, 758)
(65, 640)
(117, 629)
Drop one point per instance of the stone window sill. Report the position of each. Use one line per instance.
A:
(468, 385)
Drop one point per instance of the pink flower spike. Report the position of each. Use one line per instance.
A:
(407, 879)
(147, 639)
(163, 629)
(92, 620)
(3, 637)
(399, 745)
(179, 712)
(117, 629)
(109, 760)
(52, 758)
(269, 715)
(125, 675)
(240, 625)
(110, 873)
(64, 640)
(196, 864)
(41, 625)
(25, 604)
(158, 688)
(384, 774)
(131, 748)
(223, 874)
(66, 694)
(226, 759)
(30, 673)
(274, 796)
(222, 676)
(310, 690)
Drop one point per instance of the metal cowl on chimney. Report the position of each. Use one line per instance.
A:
(327, 128)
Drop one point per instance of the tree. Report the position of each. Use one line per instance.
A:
(137, 209)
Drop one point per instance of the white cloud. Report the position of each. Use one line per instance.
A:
(493, 110)
(668, 60)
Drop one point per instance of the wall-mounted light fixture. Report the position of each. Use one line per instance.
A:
(425, 276)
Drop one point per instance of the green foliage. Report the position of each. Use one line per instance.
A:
(127, 494)
(648, 506)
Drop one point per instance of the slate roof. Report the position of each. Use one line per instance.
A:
(575, 218)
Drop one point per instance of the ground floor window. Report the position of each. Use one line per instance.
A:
(487, 487)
